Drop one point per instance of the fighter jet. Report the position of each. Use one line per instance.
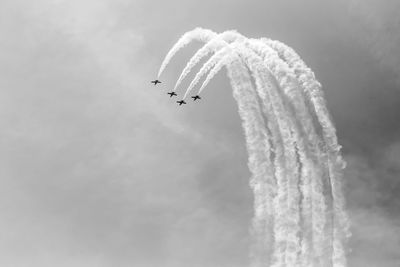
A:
(155, 82)
(181, 102)
(196, 97)
(171, 94)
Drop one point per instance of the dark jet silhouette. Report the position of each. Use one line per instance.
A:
(196, 97)
(181, 102)
(171, 94)
(155, 82)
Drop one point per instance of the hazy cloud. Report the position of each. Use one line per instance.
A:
(377, 23)
(99, 168)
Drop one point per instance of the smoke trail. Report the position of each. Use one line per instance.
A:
(335, 162)
(259, 154)
(285, 249)
(292, 166)
(201, 53)
(213, 45)
(284, 230)
(215, 63)
(196, 34)
(264, 189)
(304, 170)
(289, 257)
(307, 142)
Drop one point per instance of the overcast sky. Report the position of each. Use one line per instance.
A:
(100, 169)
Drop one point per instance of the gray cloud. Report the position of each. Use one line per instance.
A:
(377, 24)
(373, 202)
(98, 168)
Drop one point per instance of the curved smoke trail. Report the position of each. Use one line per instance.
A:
(294, 157)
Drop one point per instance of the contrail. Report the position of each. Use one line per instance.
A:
(294, 157)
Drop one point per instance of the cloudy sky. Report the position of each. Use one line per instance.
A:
(99, 169)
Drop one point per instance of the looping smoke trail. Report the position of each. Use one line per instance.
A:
(294, 156)
(214, 44)
(215, 63)
(187, 38)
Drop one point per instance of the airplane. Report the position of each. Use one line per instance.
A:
(171, 94)
(155, 82)
(196, 97)
(181, 102)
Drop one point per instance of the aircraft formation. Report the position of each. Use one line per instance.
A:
(173, 93)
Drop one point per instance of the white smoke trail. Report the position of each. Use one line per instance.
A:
(319, 205)
(313, 203)
(264, 189)
(212, 45)
(187, 38)
(198, 34)
(306, 142)
(335, 162)
(200, 54)
(283, 196)
(259, 157)
(289, 166)
(298, 140)
(258, 148)
(257, 145)
(283, 229)
(214, 63)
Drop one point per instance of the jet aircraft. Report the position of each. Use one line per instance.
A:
(181, 102)
(196, 97)
(155, 82)
(171, 94)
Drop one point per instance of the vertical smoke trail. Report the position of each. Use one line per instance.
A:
(259, 150)
(287, 192)
(281, 205)
(335, 162)
(293, 193)
(309, 145)
(291, 165)
(263, 187)
(320, 237)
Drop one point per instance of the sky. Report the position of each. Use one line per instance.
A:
(98, 168)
